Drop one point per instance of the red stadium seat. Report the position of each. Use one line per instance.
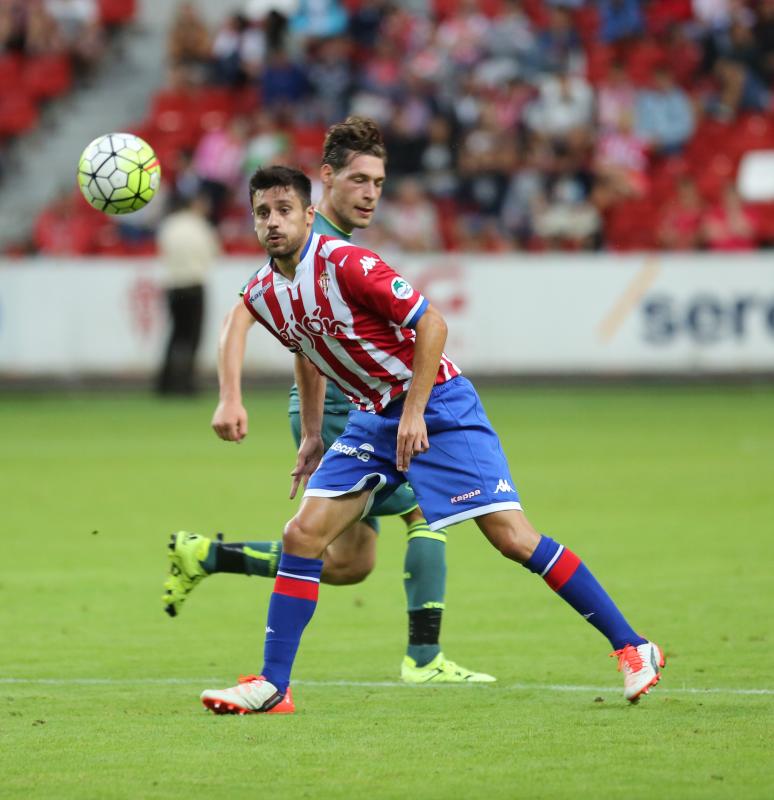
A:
(631, 225)
(643, 58)
(212, 108)
(117, 12)
(44, 77)
(10, 71)
(587, 23)
(599, 59)
(715, 176)
(18, 113)
(308, 143)
(753, 132)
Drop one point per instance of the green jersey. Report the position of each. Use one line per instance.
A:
(336, 402)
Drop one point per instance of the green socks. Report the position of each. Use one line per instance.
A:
(424, 579)
(243, 558)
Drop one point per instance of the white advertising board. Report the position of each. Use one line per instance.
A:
(547, 314)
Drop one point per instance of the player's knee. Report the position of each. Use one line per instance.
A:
(299, 538)
(517, 545)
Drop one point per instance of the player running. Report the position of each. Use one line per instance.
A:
(352, 174)
(348, 316)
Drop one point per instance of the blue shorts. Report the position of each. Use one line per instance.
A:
(400, 502)
(464, 474)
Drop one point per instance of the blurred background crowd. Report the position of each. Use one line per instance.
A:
(510, 124)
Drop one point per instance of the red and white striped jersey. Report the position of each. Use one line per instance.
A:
(350, 314)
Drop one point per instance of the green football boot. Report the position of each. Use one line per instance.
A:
(440, 670)
(186, 552)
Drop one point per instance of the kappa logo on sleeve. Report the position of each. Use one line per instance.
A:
(368, 263)
(402, 289)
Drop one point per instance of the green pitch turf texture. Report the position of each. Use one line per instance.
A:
(667, 493)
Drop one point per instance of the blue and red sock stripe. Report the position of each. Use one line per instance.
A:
(561, 568)
(301, 586)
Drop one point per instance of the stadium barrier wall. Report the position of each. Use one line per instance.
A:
(697, 314)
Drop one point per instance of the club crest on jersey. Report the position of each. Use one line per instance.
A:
(401, 289)
(324, 282)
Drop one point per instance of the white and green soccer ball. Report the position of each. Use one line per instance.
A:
(118, 173)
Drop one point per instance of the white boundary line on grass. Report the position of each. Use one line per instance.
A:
(521, 687)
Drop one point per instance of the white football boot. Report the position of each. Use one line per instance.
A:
(252, 695)
(641, 667)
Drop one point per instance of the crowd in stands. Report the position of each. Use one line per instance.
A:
(509, 124)
(47, 46)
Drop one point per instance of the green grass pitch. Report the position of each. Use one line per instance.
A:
(667, 494)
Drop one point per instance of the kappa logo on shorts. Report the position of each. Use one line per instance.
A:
(460, 498)
(503, 486)
(362, 453)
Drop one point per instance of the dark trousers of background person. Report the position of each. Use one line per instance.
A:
(186, 307)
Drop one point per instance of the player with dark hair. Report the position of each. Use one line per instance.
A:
(347, 316)
(352, 174)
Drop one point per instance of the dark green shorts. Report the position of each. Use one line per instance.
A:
(401, 501)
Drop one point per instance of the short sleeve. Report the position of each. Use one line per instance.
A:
(365, 280)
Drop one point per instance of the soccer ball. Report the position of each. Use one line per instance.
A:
(118, 173)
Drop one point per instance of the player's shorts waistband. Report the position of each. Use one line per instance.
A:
(395, 407)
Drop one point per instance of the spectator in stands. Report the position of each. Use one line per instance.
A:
(616, 99)
(680, 224)
(284, 82)
(620, 165)
(620, 20)
(558, 46)
(565, 217)
(665, 118)
(186, 183)
(78, 23)
(563, 109)
(764, 39)
(188, 248)
(462, 37)
(728, 225)
(411, 219)
(63, 228)
(267, 144)
(319, 19)
(218, 160)
(512, 37)
(188, 42)
(238, 51)
(40, 32)
(437, 160)
(330, 78)
(526, 191)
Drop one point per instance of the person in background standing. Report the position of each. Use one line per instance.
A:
(188, 246)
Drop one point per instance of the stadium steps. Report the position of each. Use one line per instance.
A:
(42, 164)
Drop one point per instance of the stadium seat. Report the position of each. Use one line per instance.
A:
(631, 225)
(44, 77)
(587, 23)
(10, 71)
(599, 59)
(642, 58)
(116, 12)
(715, 176)
(18, 113)
(307, 143)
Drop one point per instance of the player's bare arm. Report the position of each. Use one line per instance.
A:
(311, 395)
(230, 418)
(412, 432)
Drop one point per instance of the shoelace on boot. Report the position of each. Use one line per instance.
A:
(629, 656)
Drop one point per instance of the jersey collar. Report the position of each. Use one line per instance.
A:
(300, 258)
